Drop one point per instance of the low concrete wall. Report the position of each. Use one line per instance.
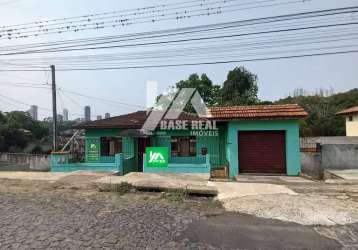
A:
(311, 164)
(341, 156)
(14, 161)
(330, 156)
(306, 142)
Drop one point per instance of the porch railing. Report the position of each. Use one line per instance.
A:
(107, 159)
(62, 162)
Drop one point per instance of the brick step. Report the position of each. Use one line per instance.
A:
(220, 173)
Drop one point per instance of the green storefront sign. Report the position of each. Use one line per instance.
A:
(157, 157)
(93, 150)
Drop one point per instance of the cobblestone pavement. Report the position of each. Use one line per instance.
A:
(36, 215)
(74, 219)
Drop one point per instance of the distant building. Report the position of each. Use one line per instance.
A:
(87, 113)
(99, 117)
(351, 116)
(65, 115)
(107, 115)
(59, 118)
(33, 112)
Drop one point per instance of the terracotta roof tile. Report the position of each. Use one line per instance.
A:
(284, 111)
(353, 110)
(137, 119)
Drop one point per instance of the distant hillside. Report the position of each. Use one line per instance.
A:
(322, 120)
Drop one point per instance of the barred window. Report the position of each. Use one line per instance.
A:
(111, 146)
(183, 146)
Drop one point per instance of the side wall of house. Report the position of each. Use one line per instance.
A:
(291, 127)
(352, 126)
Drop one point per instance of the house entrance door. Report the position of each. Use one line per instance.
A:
(143, 142)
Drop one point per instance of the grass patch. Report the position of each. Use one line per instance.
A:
(121, 188)
(176, 195)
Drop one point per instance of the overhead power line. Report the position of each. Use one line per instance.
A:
(146, 8)
(112, 102)
(332, 31)
(23, 103)
(205, 8)
(194, 64)
(194, 30)
(63, 91)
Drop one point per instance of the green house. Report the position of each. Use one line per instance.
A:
(245, 139)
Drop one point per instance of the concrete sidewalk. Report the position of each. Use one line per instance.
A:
(75, 179)
(33, 176)
(196, 184)
(347, 175)
(279, 179)
(192, 183)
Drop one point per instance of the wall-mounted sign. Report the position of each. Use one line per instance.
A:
(157, 157)
(93, 150)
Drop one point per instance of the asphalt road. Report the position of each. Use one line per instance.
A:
(240, 231)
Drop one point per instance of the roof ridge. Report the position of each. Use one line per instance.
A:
(351, 110)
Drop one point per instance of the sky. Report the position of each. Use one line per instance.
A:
(276, 79)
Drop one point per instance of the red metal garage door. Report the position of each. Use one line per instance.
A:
(262, 152)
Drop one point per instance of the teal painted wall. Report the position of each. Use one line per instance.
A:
(202, 167)
(94, 136)
(60, 163)
(293, 160)
(214, 144)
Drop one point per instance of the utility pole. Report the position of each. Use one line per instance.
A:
(54, 109)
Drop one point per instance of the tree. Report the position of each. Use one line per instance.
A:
(203, 85)
(240, 88)
(207, 90)
(2, 118)
(322, 108)
(17, 128)
(22, 120)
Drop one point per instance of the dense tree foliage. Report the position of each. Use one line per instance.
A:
(22, 120)
(322, 119)
(207, 90)
(17, 128)
(240, 88)
(203, 85)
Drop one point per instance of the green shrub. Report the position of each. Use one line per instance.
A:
(177, 195)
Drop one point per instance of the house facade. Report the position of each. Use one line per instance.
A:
(351, 117)
(245, 139)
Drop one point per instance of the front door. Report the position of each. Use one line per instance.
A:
(142, 144)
